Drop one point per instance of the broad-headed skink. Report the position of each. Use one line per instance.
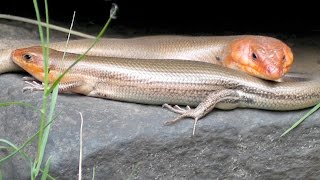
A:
(152, 81)
(260, 56)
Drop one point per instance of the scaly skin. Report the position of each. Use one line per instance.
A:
(260, 56)
(153, 81)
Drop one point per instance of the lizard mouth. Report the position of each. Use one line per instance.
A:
(269, 73)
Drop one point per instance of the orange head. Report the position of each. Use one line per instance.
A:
(31, 60)
(260, 56)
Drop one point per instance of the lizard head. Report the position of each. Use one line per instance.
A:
(31, 60)
(260, 56)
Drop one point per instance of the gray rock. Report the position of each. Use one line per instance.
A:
(129, 141)
(126, 140)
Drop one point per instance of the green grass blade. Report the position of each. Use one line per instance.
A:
(16, 149)
(44, 133)
(112, 16)
(46, 169)
(47, 27)
(12, 146)
(22, 146)
(3, 147)
(314, 109)
(47, 129)
(5, 104)
(48, 175)
(38, 159)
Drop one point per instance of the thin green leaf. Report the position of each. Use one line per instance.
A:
(13, 153)
(47, 129)
(38, 159)
(5, 104)
(46, 169)
(314, 109)
(12, 146)
(48, 176)
(81, 57)
(4, 147)
(32, 173)
(47, 23)
(21, 147)
(23, 154)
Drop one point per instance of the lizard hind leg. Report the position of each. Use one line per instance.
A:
(203, 108)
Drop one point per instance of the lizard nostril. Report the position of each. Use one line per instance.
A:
(274, 71)
(271, 69)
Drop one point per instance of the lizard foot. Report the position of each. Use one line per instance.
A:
(204, 107)
(33, 86)
(187, 112)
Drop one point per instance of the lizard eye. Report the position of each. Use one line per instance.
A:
(254, 56)
(27, 57)
(284, 58)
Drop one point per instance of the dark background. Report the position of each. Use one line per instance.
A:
(183, 17)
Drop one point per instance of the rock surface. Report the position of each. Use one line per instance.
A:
(128, 141)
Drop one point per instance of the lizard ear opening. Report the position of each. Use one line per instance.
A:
(254, 56)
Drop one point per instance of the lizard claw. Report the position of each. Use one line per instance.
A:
(187, 112)
(181, 109)
(176, 108)
(33, 86)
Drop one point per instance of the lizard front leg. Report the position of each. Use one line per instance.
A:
(39, 86)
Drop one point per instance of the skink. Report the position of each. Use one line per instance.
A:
(151, 81)
(260, 56)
